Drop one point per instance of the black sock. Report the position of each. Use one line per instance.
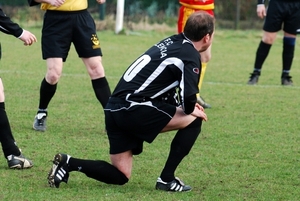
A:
(7, 140)
(261, 55)
(180, 147)
(287, 55)
(47, 91)
(98, 170)
(102, 90)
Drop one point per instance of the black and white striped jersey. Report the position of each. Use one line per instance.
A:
(173, 63)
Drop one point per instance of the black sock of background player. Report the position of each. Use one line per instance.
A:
(261, 55)
(47, 91)
(287, 55)
(102, 90)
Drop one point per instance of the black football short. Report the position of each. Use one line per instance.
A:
(283, 15)
(128, 124)
(60, 29)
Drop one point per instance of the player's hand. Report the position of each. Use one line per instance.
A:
(28, 38)
(199, 107)
(101, 1)
(261, 11)
(56, 3)
(199, 112)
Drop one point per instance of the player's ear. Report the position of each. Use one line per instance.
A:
(206, 38)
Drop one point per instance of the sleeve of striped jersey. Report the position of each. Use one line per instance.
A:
(9, 27)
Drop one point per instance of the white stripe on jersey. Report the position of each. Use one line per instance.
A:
(172, 60)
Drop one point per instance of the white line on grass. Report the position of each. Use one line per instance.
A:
(257, 85)
(117, 77)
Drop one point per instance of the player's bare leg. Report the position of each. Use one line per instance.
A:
(47, 91)
(205, 58)
(96, 72)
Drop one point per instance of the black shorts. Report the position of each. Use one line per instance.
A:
(129, 124)
(283, 15)
(61, 28)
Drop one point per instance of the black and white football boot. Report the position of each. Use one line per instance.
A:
(59, 171)
(174, 186)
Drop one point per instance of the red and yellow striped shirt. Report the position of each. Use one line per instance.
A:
(198, 4)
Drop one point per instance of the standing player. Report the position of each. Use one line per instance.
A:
(11, 152)
(66, 22)
(280, 13)
(141, 107)
(187, 8)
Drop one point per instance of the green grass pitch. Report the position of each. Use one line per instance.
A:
(247, 150)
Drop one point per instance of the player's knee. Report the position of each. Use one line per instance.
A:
(269, 38)
(52, 78)
(123, 180)
(126, 176)
(205, 56)
(96, 73)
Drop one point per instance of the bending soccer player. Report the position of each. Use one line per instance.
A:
(143, 105)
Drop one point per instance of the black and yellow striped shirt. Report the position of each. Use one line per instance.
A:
(69, 5)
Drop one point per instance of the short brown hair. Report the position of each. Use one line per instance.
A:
(198, 25)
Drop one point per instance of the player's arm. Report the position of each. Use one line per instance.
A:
(9, 27)
(261, 9)
(188, 88)
(189, 104)
(191, 107)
